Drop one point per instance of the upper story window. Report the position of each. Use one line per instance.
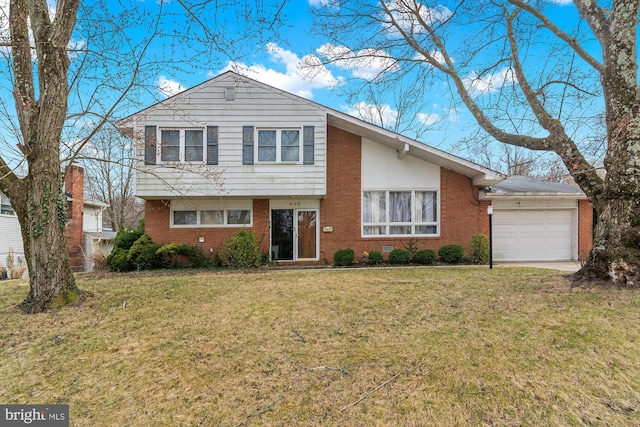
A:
(279, 145)
(400, 213)
(182, 145)
(5, 206)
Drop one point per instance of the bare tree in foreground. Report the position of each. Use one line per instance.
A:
(66, 78)
(529, 81)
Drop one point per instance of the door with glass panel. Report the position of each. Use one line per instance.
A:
(294, 234)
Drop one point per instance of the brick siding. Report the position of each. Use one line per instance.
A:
(585, 228)
(462, 214)
(74, 185)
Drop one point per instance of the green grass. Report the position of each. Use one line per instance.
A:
(339, 347)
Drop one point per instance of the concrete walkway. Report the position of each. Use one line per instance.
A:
(571, 266)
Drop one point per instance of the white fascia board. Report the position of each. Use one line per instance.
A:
(526, 195)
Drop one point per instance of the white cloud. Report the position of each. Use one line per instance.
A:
(301, 77)
(366, 63)
(429, 118)
(323, 3)
(438, 56)
(168, 87)
(381, 115)
(408, 15)
(489, 83)
(561, 2)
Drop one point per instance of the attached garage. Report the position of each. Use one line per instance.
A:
(534, 234)
(538, 221)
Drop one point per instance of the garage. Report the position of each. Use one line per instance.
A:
(533, 234)
(535, 220)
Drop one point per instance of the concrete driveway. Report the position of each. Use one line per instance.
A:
(571, 266)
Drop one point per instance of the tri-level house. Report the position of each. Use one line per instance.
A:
(308, 180)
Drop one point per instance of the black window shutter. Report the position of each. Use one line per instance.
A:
(149, 145)
(212, 145)
(247, 145)
(308, 144)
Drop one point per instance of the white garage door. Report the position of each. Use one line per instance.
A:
(533, 234)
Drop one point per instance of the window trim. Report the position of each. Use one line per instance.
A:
(181, 145)
(279, 130)
(412, 223)
(198, 223)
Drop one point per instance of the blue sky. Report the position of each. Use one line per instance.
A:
(278, 63)
(273, 60)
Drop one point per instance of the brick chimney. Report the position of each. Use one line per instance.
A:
(74, 189)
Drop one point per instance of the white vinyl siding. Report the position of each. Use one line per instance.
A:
(253, 106)
(10, 235)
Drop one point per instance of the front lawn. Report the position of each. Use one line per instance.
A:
(361, 347)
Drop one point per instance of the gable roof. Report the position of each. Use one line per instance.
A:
(403, 145)
(522, 186)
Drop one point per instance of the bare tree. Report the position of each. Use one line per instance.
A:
(529, 81)
(109, 167)
(69, 70)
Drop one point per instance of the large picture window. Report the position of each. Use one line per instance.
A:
(400, 213)
(181, 145)
(279, 145)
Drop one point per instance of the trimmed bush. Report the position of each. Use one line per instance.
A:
(375, 257)
(400, 256)
(181, 255)
(425, 257)
(126, 237)
(453, 254)
(241, 251)
(344, 257)
(479, 249)
(117, 260)
(137, 247)
(148, 258)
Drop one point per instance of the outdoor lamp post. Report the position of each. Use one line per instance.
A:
(490, 213)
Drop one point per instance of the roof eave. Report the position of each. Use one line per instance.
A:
(532, 195)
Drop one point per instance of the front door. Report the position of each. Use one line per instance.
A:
(294, 234)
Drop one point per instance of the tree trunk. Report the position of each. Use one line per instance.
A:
(42, 213)
(51, 278)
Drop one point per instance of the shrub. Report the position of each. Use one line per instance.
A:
(400, 256)
(137, 247)
(425, 257)
(241, 251)
(479, 249)
(117, 260)
(453, 254)
(126, 237)
(344, 257)
(375, 257)
(181, 255)
(148, 258)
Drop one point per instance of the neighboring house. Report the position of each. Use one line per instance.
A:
(308, 180)
(85, 236)
(10, 237)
